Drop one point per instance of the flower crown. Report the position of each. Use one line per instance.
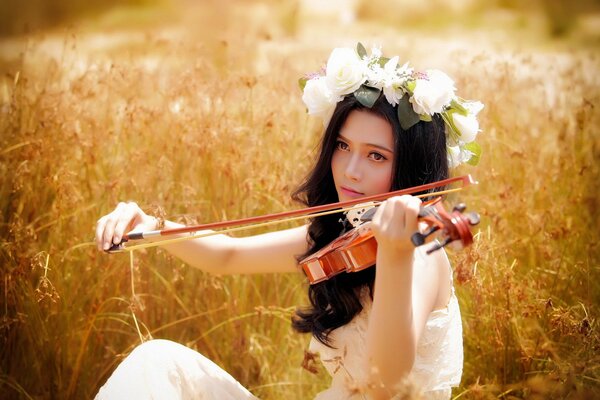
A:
(418, 95)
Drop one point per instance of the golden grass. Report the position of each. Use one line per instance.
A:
(195, 122)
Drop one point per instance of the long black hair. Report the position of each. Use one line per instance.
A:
(420, 158)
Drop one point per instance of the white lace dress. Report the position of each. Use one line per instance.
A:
(438, 363)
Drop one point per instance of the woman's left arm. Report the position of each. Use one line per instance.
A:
(403, 296)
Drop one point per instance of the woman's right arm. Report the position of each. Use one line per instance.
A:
(217, 254)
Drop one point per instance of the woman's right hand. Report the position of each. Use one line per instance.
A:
(126, 217)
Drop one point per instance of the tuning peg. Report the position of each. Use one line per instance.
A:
(418, 238)
(460, 207)
(439, 245)
(473, 218)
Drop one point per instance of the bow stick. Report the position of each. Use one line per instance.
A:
(309, 212)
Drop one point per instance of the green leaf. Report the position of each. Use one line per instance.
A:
(447, 117)
(425, 117)
(302, 82)
(382, 61)
(406, 114)
(459, 107)
(360, 49)
(366, 95)
(474, 148)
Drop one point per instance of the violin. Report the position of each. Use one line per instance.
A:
(356, 249)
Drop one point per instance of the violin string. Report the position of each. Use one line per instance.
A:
(261, 224)
(431, 211)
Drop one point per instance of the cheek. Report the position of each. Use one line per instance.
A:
(336, 165)
(384, 180)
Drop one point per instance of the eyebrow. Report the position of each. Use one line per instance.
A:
(368, 144)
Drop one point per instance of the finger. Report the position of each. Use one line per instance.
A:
(124, 223)
(379, 217)
(100, 232)
(408, 210)
(397, 211)
(411, 213)
(111, 222)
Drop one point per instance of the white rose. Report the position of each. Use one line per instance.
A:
(345, 71)
(432, 93)
(468, 126)
(318, 99)
(473, 107)
(457, 156)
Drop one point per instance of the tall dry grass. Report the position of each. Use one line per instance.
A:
(184, 122)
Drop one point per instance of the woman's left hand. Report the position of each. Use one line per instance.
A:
(395, 222)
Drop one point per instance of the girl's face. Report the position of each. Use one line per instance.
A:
(364, 156)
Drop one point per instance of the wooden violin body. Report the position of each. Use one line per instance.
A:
(351, 252)
(357, 249)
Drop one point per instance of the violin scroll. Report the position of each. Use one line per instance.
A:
(454, 226)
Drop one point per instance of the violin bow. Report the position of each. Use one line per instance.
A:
(269, 219)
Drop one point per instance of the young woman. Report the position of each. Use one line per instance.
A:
(378, 330)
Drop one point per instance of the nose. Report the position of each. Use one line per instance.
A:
(352, 170)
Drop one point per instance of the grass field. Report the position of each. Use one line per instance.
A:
(201, 113)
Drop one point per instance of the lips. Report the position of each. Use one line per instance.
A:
(350, 192)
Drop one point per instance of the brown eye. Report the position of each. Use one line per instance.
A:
(341, 145)
(377, 157)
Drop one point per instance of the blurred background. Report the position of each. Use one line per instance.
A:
(195, 106)
(561, 17)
